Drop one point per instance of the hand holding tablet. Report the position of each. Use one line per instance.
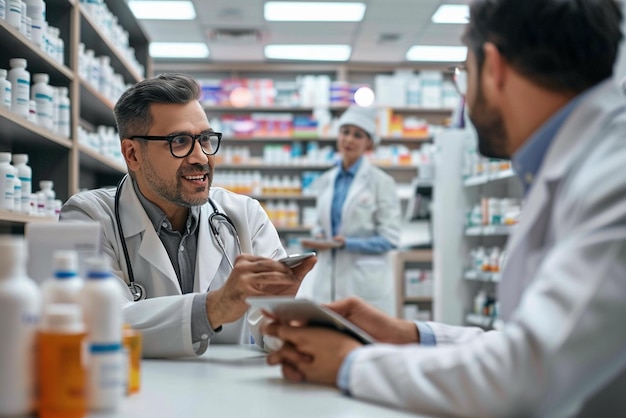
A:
(287, 309)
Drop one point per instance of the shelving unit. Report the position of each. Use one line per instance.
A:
(68, 163)
(455, 272)
(402, 261)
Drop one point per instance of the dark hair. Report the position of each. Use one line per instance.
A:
(132, 110)
(561, 45)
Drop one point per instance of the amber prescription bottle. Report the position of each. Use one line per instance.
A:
(61, 358)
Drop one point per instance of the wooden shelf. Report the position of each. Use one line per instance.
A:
(90, 158)
(52, 157)
(95, 39)
(22, 219)
(14, 44)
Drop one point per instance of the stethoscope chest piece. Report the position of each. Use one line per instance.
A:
(138, 291)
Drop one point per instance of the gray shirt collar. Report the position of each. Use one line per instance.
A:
(159, 218)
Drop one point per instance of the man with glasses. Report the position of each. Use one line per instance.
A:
(187, 253)
(540, 91)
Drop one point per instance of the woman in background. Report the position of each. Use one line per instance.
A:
(358, 221)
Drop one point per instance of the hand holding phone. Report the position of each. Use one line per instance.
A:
(295, 260)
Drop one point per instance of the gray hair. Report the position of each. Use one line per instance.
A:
(132, 110)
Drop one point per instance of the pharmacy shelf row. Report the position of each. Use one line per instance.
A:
(470, 247)
(68, 162)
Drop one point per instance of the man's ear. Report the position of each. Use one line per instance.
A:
(131, 151)
(494, 68)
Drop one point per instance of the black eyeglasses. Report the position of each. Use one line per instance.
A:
(181, 145)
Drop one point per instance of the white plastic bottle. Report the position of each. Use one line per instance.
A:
(5, 89)
(65, 284)
(42, 93)
(20, 304)
(36, 12)
(17, 193)
(25, 174)
(100, 301)
(20, 86)
(14, 13)
(3, 9)
(63, 113)
(7, 182)
(46, 187)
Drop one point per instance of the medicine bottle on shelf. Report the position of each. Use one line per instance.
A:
(100, 302)
(25, 174)
(20, 86)
(7, 182)
(45, 187)
(5, 90)
(62, 375)
(63, 113)
(42, 93)
(20, 304)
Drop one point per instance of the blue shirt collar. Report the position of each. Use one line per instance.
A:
(528, 159)
(352, 169)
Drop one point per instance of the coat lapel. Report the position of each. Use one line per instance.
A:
(135, 221)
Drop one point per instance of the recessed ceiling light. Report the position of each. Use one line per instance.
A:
(162, 10)
(314, 11)
(178, 50)
(308, 52)
(451, 13)
(435, 53)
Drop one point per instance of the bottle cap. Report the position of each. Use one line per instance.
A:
(17, 62)
(20, 158)
(5, 157)
(65, 264)
(46, 184)
(41, 78)
(98, 268)
(64, 317)
(12, 252)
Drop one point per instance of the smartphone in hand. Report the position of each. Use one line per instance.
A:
(295, 260)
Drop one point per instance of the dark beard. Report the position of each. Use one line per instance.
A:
(490, 128)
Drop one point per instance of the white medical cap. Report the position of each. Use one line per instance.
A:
(362, 117)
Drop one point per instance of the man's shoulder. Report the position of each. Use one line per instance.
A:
(91, 200)
(106, 194)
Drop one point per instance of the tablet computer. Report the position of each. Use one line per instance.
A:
(288, 309)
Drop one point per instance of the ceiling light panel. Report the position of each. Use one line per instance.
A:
(162, 10)
(451, 13)
(434, 53)
(308, 52)
(178, 50)
(314, 11)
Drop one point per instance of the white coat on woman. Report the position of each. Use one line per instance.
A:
(563, 296)
(371, 208)
(165, 317)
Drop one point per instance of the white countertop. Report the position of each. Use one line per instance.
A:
(234, 381)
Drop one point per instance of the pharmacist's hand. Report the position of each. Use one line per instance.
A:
(379, 325)
(253, 276)
(310, 354)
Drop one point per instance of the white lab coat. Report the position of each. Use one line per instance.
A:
(562, 351)
(371, 208)
(165, 317)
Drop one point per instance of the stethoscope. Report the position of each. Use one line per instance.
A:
(137, 289)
